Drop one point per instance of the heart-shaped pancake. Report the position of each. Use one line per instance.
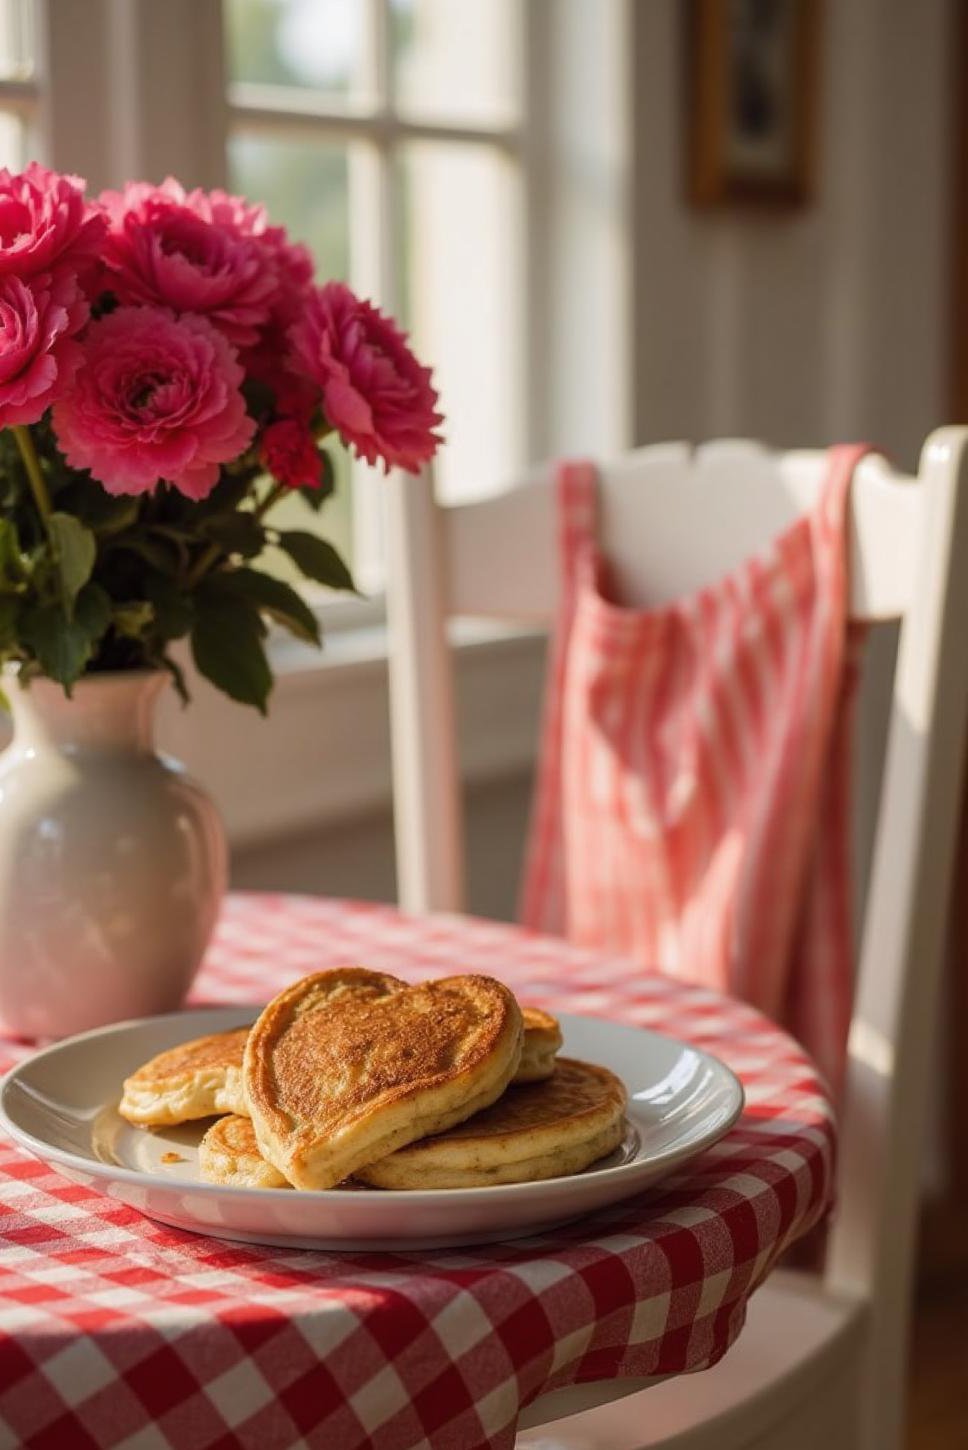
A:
(204, 1075)
(537, 1130)
(335, 1079)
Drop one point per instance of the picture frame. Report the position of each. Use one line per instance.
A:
(752, 95)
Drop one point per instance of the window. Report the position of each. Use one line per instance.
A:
(387, 134)
(18, 87)
(464, 163)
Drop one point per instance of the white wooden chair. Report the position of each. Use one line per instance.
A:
(821, 1363)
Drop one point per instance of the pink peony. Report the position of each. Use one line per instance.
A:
(288, 451)
(192, 253)
(291, 261)
(375, 392)
(273, 365)
(46, 225)
(157, 398)
(38, 356)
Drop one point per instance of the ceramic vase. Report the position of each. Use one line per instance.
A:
(112, 860)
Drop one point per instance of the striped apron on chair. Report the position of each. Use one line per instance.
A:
(692, 802)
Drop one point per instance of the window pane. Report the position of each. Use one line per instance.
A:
(459, 252)
(305, 188)
(304, 185)
(13, 142)
(315, 44)
(16, 39)
(457, 58)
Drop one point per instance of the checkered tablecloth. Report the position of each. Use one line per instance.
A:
(116, 1331)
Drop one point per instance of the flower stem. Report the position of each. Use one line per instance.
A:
(274, 494)
(205, 560)
(202, 564)
(35, 476)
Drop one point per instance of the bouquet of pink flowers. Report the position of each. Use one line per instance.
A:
(168, 372)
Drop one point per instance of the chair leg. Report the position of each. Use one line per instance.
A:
(886, 1364)
(884, 1403)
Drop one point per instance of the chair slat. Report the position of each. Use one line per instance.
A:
(673, 521)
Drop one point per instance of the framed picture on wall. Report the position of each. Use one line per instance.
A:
(752, 79)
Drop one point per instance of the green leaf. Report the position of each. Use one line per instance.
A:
(160, 553)
(76, 551)
(316, 558)
(227, 649)
(13, 575)
(60, 646)
(132, 619)
(238, 533)
(280, 601)
(63, 646)
(227, 494)
(112, 515)
(174, 611)
(103, 512)
(93, 610)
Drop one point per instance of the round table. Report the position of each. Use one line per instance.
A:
(116, 1331)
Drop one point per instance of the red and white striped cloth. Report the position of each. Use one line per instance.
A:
(692, 802)
(117, 1333)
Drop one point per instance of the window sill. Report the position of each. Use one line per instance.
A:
(323, 754)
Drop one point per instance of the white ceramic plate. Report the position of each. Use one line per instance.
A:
(61, 1104)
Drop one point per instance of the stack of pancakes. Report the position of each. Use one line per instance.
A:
(354, 1074)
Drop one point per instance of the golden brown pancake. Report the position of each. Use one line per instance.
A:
(337, 1078)
(542, 1040)
(536, 1130)
(229, 1154)
(204, 1076)
(193, 1080)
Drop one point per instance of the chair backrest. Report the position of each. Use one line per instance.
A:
(674, 518)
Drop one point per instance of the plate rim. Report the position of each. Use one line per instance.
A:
(96, 1168)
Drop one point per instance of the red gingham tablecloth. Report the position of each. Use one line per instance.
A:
(116, 1331)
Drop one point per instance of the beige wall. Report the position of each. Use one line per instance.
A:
(827, 322)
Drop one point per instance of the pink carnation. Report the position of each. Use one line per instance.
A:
(375, 392)
(192, 253)
(157, 398)
(38, 356)
(45, 224)
(289, 453)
